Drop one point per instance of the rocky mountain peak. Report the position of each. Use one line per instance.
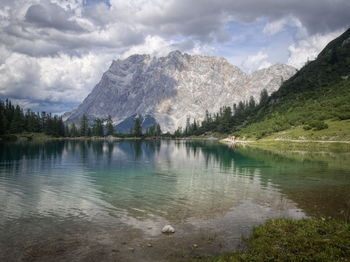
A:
(175, 87)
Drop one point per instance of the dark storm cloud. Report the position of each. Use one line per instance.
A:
(50, 15)
(53, 29)
(203, 17)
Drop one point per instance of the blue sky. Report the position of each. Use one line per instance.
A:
(53, 52)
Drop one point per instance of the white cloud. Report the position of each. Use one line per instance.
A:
(61, 78)
(279, 25)
(153, 45)
(205, 49)
(256, 62)
(59, 54)
(308, 49)
(275, 26)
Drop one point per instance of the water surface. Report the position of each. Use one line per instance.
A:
(82, 200)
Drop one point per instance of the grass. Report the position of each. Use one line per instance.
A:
(294, 240)
(336, 131)
(335, 139)
(287, 146)
(26, 137)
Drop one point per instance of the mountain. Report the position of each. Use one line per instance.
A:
(173, 88)
(314, 99)
(125, 126)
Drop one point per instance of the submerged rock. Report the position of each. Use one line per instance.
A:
(168, 229)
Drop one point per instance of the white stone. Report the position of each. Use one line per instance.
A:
(168, 229)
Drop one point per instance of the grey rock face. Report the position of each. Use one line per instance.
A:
(175, 87)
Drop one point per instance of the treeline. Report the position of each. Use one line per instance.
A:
(13, 120)
(153, 130)
(227, 120)
(99, 127)
(86, 129)
(16, 120)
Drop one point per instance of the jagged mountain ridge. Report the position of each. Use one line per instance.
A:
(175, 87)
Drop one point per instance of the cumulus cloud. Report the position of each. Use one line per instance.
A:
(308, 49)
(256, 62)
(53, 80)
(56, 50)
(51, 15)
(278, 25)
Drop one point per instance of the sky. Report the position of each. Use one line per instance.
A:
(53, 52)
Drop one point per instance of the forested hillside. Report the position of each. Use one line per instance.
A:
(319, 91)
(317, 96)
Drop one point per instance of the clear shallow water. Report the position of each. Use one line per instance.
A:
(64, 200)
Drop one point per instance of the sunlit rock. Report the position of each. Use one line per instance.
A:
(168, 229)
(176, 87)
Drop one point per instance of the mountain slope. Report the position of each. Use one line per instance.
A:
(174, 88)
(319, 91)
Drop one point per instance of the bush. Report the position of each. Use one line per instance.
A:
(318, 125)
(307, 127)
(343, 115)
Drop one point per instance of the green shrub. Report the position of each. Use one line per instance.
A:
(307, 127)
(318, 125)
(343, 115)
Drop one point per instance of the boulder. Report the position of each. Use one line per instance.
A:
(168, 229)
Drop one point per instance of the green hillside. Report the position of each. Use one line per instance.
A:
(313, 104)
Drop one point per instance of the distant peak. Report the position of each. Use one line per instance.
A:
(175, 53)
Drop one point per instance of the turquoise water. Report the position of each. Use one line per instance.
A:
(56, 195)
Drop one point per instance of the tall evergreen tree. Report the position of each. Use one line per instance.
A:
(61, 128)
(158, 130)
(137, 127)
(264, 97)
(110, 128)
(251, 104)
(66, 131)
(3, 123)
(74, 131)
(84, 125)
(17, 121)
(97, 128)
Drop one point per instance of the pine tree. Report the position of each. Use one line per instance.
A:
(66, 131)
(84, 126)
(110, 128)
(137, 127)
(61, 128)
(150, 131)
(16, 125)
(158, 130)
(3, 123)
(264, 97)
(89, 132)
(251, 104)
(98, 128)
(74, 131)
(188, 127)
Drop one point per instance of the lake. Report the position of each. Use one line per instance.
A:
(108, 201)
